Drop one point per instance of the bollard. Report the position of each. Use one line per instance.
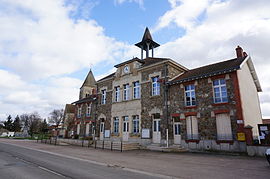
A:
(55, 141)
(103, 144)
(111, 145)
(82, 142)
(121, 146)
(95, 144)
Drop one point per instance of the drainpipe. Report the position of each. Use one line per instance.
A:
(166, 104)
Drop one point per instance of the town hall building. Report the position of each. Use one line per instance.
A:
(150, 100)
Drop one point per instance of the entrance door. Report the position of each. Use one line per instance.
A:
(156, 131)
(125, 128)
(177, 133)
(101, 133)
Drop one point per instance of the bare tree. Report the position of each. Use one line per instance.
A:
(56, 117)
(31, 122)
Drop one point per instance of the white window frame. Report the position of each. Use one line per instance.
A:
(136, 124)
(79, 114)
(189, 91)
(88, 110)
(136, 90)
(223, 98)
(116, 125)
(103, 96)
(117, 94)
(126, 92)
(155, 86)
(125, 122)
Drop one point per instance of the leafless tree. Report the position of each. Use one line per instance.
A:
(31, 122)
(56, 117)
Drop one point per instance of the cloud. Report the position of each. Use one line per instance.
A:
(45, 45)
(225, 25)
(41, 42)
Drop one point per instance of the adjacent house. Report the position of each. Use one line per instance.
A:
(151, 100)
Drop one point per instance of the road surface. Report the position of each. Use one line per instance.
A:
(18, 162)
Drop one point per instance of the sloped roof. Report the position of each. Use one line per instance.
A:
(70, 108)
(89, 80)
(90, 98)
(209, 70)
(147, 38)
(106, 77)
(129, 61)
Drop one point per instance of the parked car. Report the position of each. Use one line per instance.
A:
(267, 154)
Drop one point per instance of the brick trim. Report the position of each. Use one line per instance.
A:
(221, 111)
(190, 107)
(175, 115)
(190, 114)
(218, 77)
(189, 83)
(219, 104)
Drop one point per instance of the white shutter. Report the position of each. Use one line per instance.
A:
(194, 125)
(188, 121)
(224, 129)
(87, 129)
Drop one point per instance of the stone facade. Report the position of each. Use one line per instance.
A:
(161, 109)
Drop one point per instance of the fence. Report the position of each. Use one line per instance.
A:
(110, 145)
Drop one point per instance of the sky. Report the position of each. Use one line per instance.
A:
(47, 47)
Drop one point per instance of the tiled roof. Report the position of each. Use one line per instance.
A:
(209, 70)
(87, 99)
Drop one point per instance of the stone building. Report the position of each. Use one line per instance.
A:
(158, 101)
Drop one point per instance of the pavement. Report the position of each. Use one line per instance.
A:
(143, 164)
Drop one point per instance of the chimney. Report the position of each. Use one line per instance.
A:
(239, 52)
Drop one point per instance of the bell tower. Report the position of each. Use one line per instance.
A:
(147, 44)
(89, 86)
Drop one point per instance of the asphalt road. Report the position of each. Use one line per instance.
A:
(18, 162)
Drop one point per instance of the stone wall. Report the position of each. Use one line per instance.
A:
(205, 107)
(104, 110)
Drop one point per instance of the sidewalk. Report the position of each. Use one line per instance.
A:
(181, 165)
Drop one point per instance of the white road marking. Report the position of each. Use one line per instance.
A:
(97, 163)
(50, 171)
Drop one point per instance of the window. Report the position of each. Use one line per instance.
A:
(224, 129)
(177, 129)
(117, 94)
(79, 114)
(103, 97)
(136, 90)
(136, 124)
(125, 124)
(155, 86)
(116, 125)
(190, 95)
(87, 95)
(88, 110)
(126, 92)
(220, 91)
(192, 127)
